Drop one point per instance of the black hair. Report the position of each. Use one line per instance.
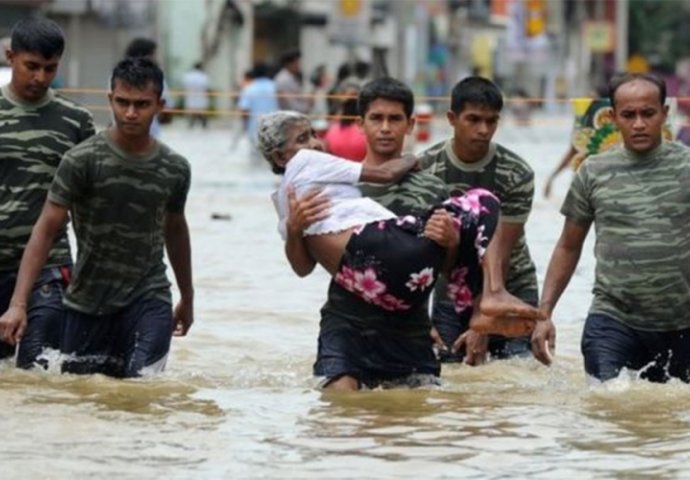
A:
(39, 35)
(317, 75)
(141, 47)
(475, 90)
(261, 70)
(362, 69)
(290, 56)
(387, 88)
(621, 79)
(138, 73)
(348, 111)
(344, 71)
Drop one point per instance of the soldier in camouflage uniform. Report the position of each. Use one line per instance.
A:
(37, 126)
(470, 159)
(638, 197)
(126, 193)
(360, 344)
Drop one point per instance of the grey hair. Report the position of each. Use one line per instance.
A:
(272, 133)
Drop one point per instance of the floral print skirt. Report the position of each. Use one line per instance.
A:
(391, 264)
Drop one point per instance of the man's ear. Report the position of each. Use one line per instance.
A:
(9, 55)
(452, 117)
(410, 124)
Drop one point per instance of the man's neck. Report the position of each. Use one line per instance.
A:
(18, 98)
(139, 145)
(466, 155)
(376, 159)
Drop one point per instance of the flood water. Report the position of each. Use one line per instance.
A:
(238, 399)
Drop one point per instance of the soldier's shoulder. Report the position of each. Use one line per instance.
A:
(423, 177)
(70, 107)
(507, 157)
(174, 158)
(88, 146)
(435, 151)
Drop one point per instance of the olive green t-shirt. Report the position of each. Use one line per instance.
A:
(118, 204)
(33, 139)
(640, 206)
(511, 179)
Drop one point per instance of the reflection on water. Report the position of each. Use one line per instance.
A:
(238, 399)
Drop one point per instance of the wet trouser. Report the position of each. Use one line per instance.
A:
(44, 314)
(397, 349)
(129, 343)
(609, 345)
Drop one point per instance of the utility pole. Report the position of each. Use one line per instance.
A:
(622, 21)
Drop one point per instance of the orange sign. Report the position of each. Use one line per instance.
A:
(350, 8)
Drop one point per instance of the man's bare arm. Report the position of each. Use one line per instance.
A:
(303, 212)
(563, 261)
(179, 250)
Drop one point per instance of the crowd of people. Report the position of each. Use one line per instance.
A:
(427, 254)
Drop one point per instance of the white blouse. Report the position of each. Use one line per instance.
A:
(337, 179)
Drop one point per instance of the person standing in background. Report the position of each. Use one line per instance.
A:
(196, 100)
(257, 98)
(289, 84)
(345, 138)
(319, 80)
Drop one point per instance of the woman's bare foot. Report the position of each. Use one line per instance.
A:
(508, 326)
(503, 304)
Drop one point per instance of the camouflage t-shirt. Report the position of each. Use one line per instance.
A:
(33, 139)
(640, 206)
(413, 195)
(511, 179)
(118, 204)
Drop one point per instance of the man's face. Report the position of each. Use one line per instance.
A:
(385, 125)
(639, 115)
(300, 136)
(473, 128)
(133, 108)
(32, 73)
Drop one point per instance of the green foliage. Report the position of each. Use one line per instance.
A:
(659, 31)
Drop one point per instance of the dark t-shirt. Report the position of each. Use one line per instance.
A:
(33, 139)
(118, 204)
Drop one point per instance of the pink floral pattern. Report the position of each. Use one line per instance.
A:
(459, 291)
(422, 280)
(470, 202)
(365, 284)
